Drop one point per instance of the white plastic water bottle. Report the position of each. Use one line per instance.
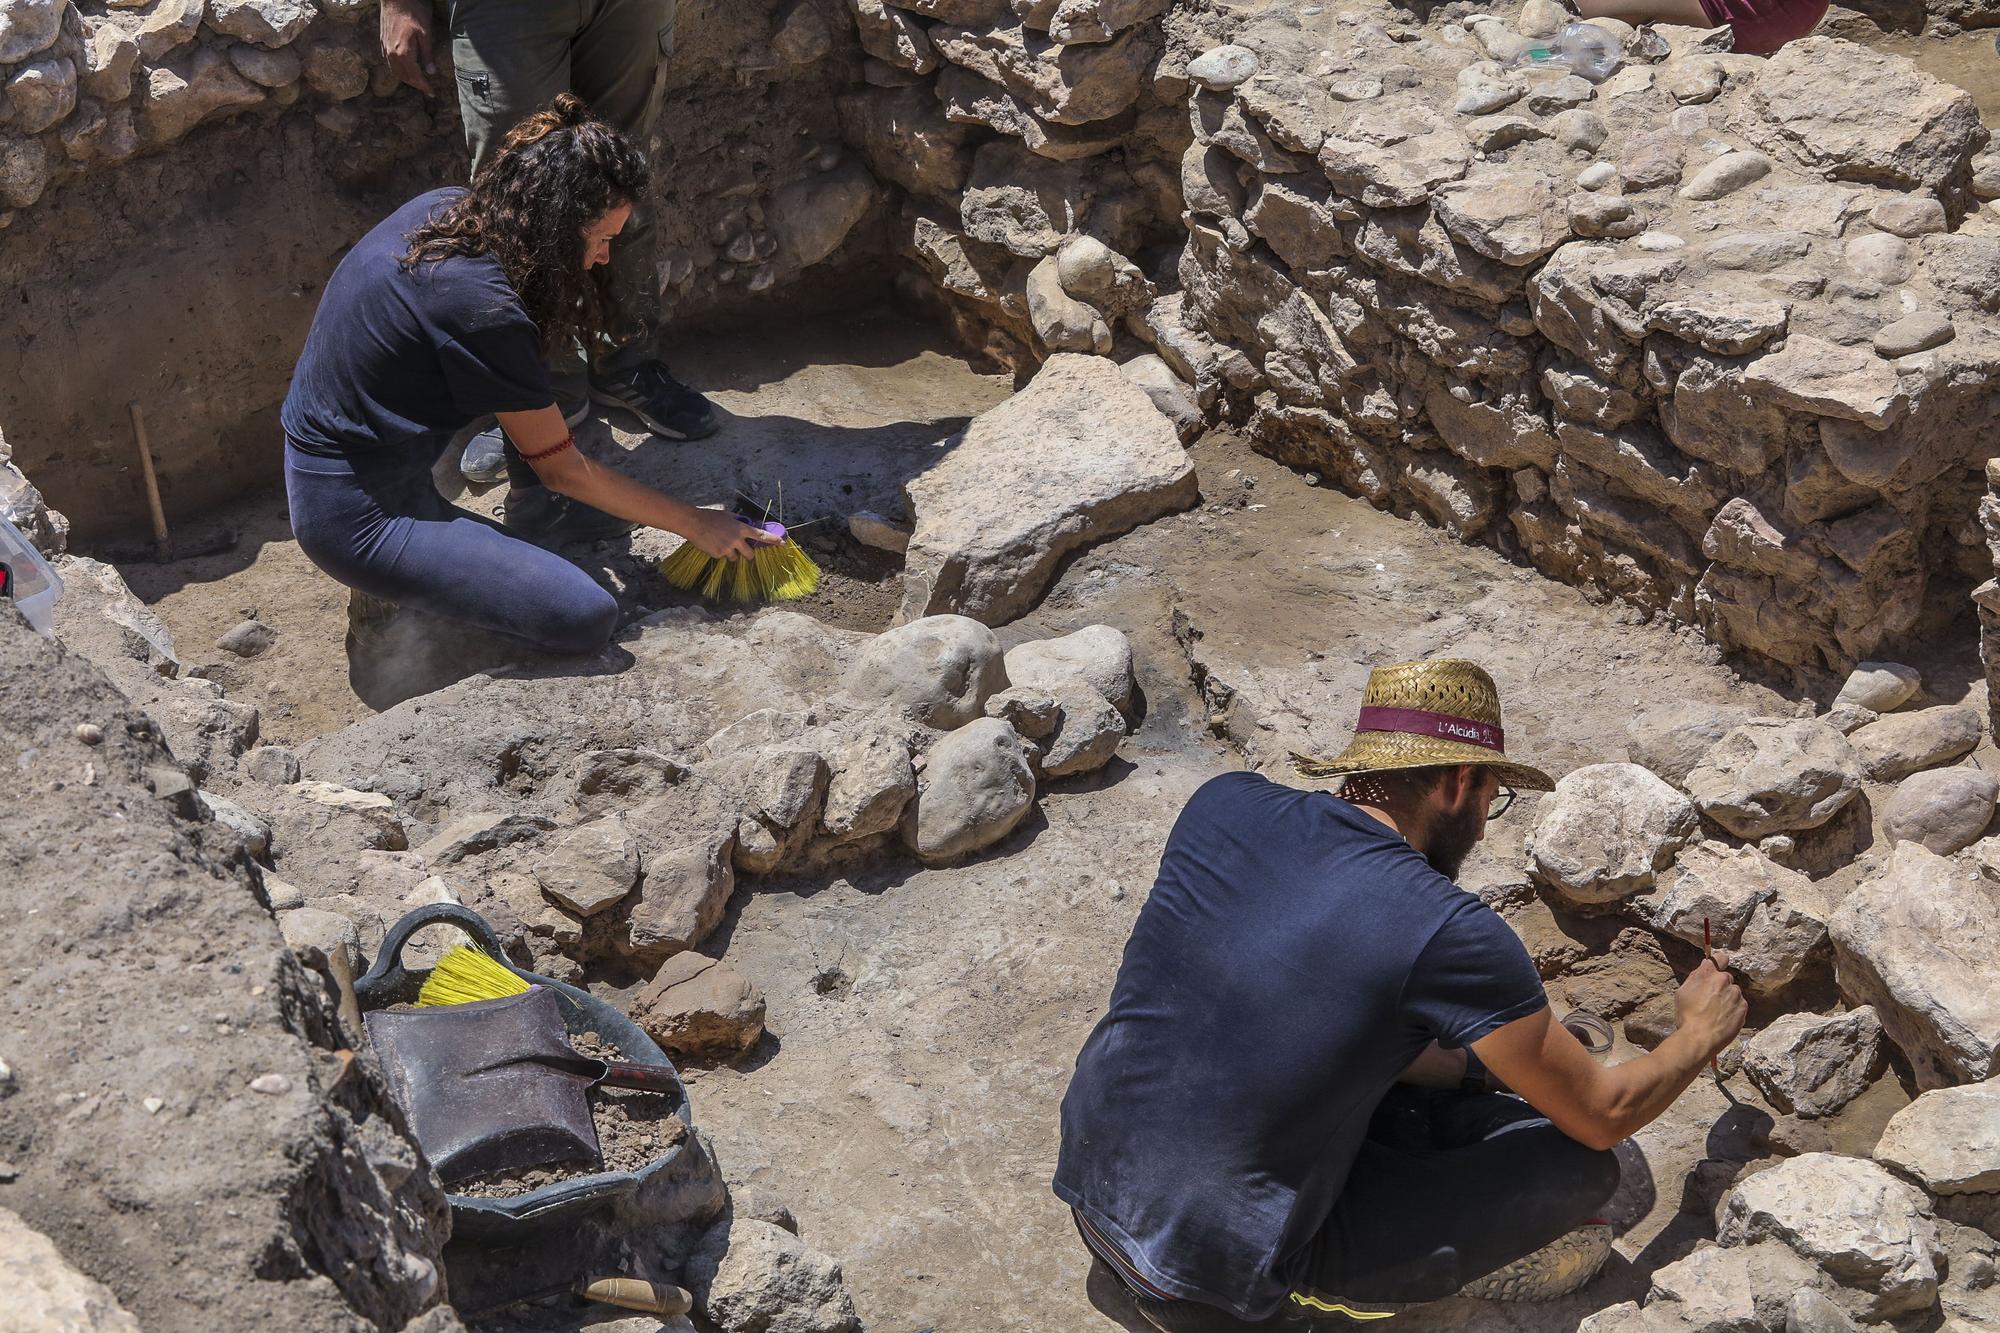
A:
(1589, 50)
(26, 579)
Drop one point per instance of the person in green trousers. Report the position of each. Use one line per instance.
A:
(511, 58)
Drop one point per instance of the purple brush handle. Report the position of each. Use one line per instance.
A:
(775, 529)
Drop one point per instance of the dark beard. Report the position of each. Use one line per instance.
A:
(1451, 839)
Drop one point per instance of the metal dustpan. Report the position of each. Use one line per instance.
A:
(489, 1086)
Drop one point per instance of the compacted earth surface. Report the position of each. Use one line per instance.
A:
(922, 1021)
(820, 419)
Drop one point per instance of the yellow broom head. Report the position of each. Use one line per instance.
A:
(465, 975)
(778, 573)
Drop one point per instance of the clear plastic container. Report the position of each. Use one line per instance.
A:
(29, 582)
(1590, 50)
(1580, 48)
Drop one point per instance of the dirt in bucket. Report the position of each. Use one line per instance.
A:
(634, 1129)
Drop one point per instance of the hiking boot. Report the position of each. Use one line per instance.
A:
(644, 387)
(368, 619)
(1565, 1265)
(545, 518)
(485, 458)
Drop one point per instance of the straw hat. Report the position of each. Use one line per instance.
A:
(1426, 714)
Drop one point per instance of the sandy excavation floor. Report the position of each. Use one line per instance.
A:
(923, 1023)
(829, 415)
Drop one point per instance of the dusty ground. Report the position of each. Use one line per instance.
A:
(923, 1022)
(830, 415)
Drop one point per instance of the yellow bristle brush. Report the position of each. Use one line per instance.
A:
(464, 975)
(779, 572)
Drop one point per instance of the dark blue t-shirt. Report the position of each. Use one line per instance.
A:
(399, 355)
(1294, 957)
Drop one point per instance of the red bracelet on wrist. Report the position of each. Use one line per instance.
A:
(568, 442)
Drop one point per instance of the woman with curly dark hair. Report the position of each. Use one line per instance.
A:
(440, 316)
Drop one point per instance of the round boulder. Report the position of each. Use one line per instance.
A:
(1900, 744)
(1097, 656)
(1605, 832)
(1945, 809)
(940, 669)
(976, 786)
(1768, 777)
(1880, 686)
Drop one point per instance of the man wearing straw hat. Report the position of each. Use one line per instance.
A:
(1285, 1116)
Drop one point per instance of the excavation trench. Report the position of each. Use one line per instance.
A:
(1652, 487)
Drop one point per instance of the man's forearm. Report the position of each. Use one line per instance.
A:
(1640, 1090)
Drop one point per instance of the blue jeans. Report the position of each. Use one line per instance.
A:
(1448, 1187)
(378, 524)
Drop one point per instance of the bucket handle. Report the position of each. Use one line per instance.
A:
(388, 981)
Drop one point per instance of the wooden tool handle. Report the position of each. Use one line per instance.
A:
(635, 1293)
(650, 1078)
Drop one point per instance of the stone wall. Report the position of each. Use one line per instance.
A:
(1714, 336)
(179, 178)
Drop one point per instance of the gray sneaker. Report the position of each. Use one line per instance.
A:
(1564, 1266)
(485, 458)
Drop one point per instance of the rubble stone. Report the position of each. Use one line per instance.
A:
(752, 1277)
(697, 1006)
(1084, 739)
(45, 1293)
(1769, 918)
(1903, 743)
(1882, 686)
(1945, 809)
(1810, 1066)
(1818, 101)
(1920, 941)
(1079, 456)
(871, 783)
(1769, 777)
(940, 669)
(1096, 656)
(590, 867)
(1606, 830)
(1947, 1140)
(1734, 1287)
(975, 787)
(1867, 1229)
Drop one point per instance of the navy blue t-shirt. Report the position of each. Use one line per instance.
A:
(399, 355)
(1294, 957)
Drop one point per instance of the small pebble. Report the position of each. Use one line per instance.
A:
(1660, 240)
(9, 1173)
(153, 1105)
(1312, 478)
(6, 1078)
(271, 1085)
(90, 733)
(1596, 176)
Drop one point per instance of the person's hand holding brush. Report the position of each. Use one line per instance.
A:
(1709, 1007)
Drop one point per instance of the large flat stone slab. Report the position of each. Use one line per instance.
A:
(1079, 456)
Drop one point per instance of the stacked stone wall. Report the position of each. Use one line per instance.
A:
(1716, 335)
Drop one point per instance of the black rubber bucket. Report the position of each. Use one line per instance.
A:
(566, 1202)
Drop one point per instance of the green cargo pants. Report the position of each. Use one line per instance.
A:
(513, 56)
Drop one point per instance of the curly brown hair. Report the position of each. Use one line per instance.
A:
(556, 173)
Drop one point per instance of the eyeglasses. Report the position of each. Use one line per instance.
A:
(1501, 801)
